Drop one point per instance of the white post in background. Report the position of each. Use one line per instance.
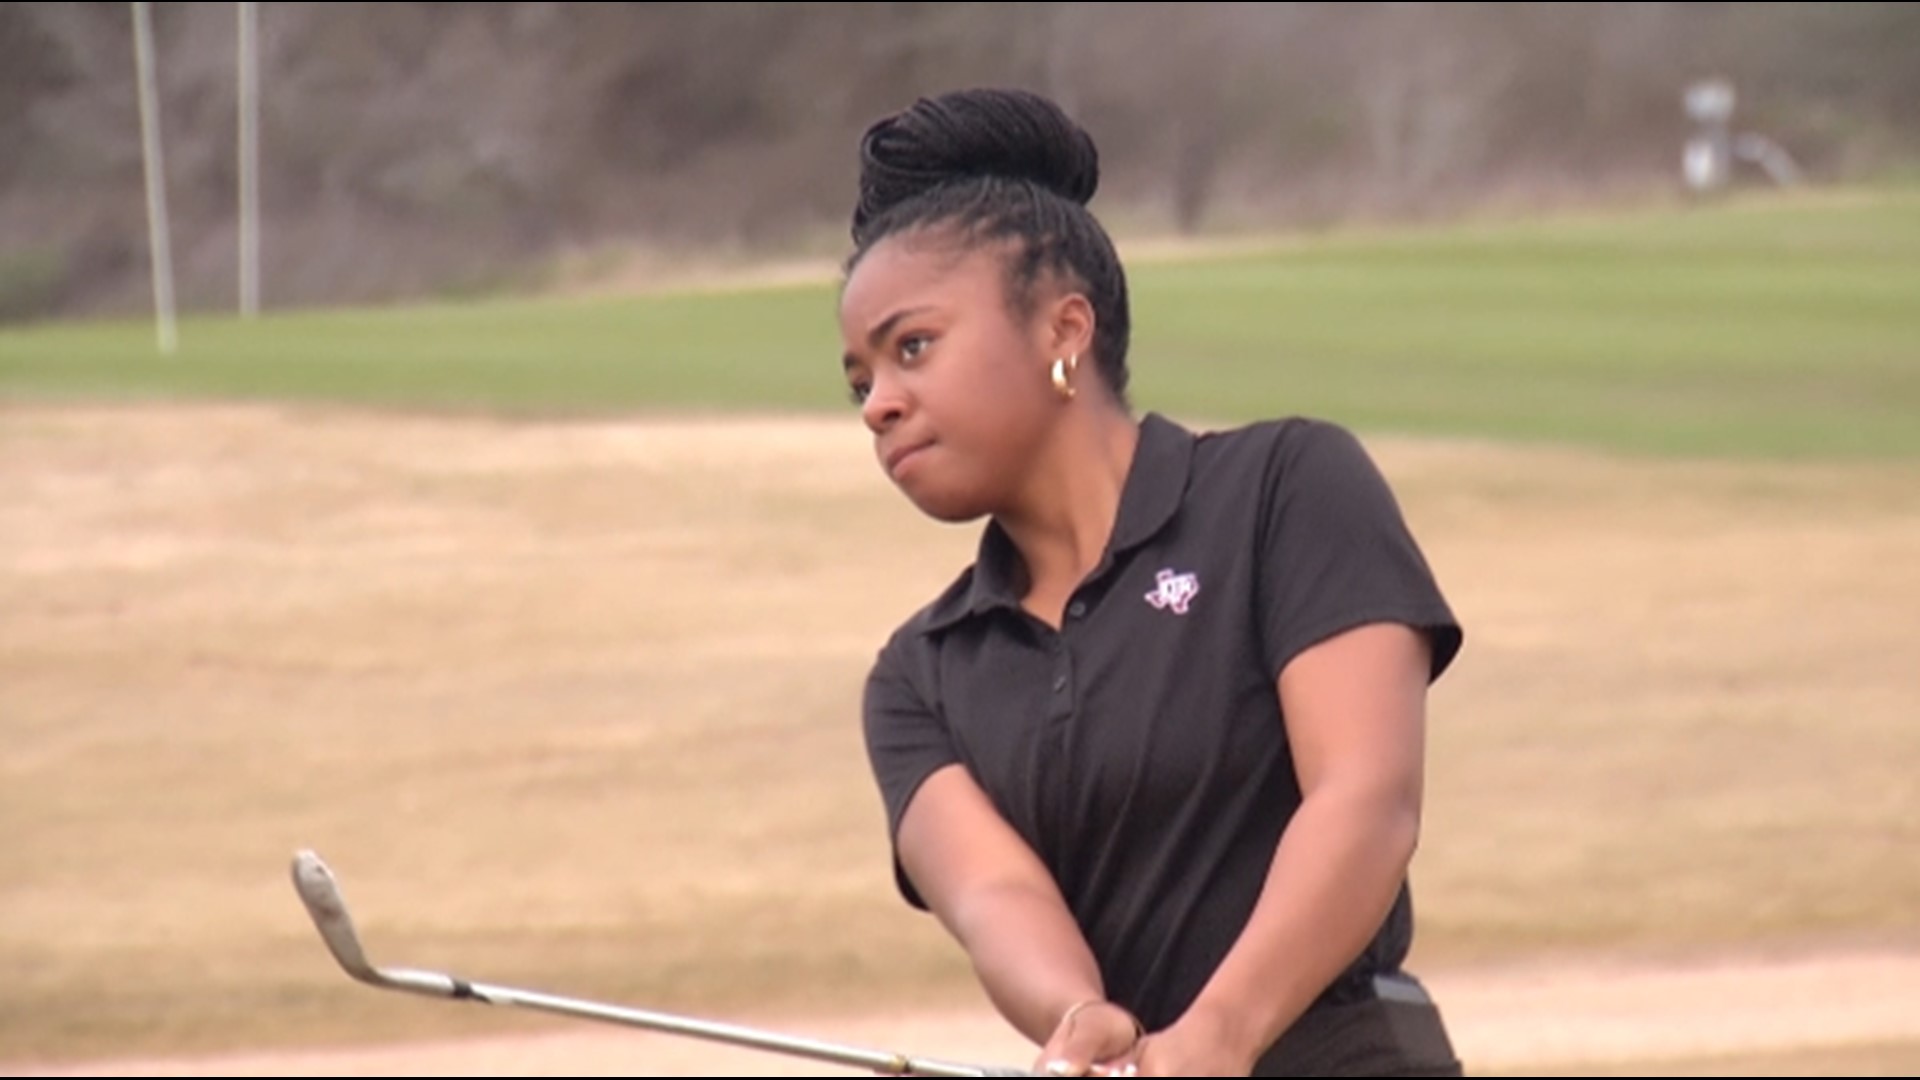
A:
(249, 144)
(1708, 162)
(158, 245)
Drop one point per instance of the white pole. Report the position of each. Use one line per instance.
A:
(249, 64)
(158, 246)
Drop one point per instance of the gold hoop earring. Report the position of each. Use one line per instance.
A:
(1063, 368)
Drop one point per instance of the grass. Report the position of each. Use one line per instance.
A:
(1783, 331)
(522, 357)
(1776, 328)
(573, 707)
(569, 705)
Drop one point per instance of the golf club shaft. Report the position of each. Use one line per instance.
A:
(436, 984)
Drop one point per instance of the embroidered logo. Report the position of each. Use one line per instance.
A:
(1174, 591)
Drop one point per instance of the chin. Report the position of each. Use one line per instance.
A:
(951, 507)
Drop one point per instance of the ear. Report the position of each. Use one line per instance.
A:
(1067, 325)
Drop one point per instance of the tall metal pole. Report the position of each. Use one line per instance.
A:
(158, 246)
(249, 149)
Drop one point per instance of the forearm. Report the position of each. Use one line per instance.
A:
(1333, 880)
(1028, 953)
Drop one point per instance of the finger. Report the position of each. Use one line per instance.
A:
(1058, 1058)
(1073, 1053)
(1067, 1054)
(1127, 1064)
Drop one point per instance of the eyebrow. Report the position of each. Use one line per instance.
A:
(881, 329)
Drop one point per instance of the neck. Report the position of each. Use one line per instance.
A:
(1065, 511)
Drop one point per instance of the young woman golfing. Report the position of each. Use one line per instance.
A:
(1155, 759)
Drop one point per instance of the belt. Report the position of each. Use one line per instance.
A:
(1355, 987)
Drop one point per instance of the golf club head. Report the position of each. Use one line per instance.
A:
(320, 892)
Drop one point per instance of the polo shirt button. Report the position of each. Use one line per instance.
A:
(1059, 683)
(1077, 609)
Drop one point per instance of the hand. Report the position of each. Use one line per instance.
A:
(1092, 1036)
(1187, 1048)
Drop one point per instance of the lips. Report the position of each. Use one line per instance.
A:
(900, 454)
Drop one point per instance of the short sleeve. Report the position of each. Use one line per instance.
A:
(906, 742)
(1336, 550)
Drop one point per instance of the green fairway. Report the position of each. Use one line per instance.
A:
(1780, 327)
(749, 349)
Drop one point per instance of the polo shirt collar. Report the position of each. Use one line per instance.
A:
(1156, 484)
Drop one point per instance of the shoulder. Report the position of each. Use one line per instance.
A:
(1329, 519)
(1287, 451)
(1278, 434)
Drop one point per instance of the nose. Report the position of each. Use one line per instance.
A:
(886, 403)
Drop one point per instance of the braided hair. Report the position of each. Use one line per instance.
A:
(991, 166)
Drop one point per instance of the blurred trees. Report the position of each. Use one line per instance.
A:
(420, 147)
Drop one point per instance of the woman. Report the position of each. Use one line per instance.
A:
(1155, 759)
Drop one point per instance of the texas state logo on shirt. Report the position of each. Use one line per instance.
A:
(1174, 591)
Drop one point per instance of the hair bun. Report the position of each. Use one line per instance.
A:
(1012, 134)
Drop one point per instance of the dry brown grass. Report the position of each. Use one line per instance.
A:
(573, 706)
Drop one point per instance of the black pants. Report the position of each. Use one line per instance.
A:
(1390, 1028)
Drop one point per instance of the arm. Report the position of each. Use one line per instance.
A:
(1355, 708)
(995, 897)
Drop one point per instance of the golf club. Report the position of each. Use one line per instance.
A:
(320, 892)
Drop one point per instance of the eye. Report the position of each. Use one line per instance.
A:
(858, 390)
(913, 346)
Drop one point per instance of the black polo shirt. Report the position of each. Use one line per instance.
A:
(1140, 749)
